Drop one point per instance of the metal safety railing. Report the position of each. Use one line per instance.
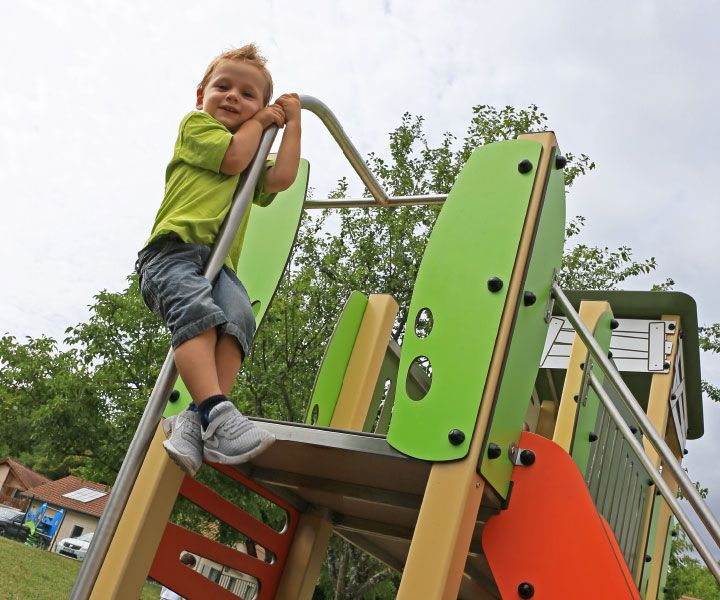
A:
(669, 461)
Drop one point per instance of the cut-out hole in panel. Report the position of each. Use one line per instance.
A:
(315, 414)
(383, 400)
(241, 584)
(256, 308)
(419, 378)
(423, 323)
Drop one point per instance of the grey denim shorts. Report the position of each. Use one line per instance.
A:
(172, 285)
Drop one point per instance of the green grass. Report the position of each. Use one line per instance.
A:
(33, 574)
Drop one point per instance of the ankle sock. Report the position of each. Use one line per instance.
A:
(206, 406)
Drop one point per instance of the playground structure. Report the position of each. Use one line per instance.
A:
(43, 526)
(524, 442)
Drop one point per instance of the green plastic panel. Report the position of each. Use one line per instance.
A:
(666, 560)
(331, 373)
(475, 238)
(647, 566)
(269, 238)
(528, 337)
(586, 420)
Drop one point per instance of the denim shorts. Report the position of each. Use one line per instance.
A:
(173, 286)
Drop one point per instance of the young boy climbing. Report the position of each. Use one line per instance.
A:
(212, 325)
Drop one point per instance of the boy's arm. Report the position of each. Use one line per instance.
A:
(282, 174)
(246, 139)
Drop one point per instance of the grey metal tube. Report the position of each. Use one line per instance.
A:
(669, 460)
(163, 386)
(320, 109)
(655, 475)
(425, 199)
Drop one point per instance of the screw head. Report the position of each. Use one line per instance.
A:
(633, 429)
(686, 451)
(174, 396)
(560, 161)
(582, 365)
(526, 590)
(614, 324)
(673, 396)
(527, 457)
(648, 558)
(592, 436)
(525, 166)
(456, 437)
(671, 326)
(494, 451)
(576, 397)
(494, 284)
(666, 365)
(529, 298)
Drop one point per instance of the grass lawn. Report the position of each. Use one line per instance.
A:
(33, 574)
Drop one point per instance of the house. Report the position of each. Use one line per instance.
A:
(16, 479)
(83, 503)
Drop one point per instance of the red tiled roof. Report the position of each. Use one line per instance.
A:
(28, 477)
(52, 493)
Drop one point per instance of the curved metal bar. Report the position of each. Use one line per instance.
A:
(163, 386)
(655, 475)
(686, 485)
(320, 109)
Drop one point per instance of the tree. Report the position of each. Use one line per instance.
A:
(686, 575)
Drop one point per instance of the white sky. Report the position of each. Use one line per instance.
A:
(93, 93)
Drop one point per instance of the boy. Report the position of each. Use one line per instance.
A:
(212, 325)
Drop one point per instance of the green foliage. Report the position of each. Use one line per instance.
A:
(687, 576)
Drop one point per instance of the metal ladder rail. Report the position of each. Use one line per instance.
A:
(140, 443)
(669, 461)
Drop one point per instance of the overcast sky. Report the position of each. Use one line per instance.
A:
(93, 92)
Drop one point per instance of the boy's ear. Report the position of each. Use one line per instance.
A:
(199, 103)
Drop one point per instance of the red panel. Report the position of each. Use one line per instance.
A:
(551, 535)
(169, 571)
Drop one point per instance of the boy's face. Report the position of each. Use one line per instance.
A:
(233, 94)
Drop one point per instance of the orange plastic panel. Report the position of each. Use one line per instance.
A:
(170, 572)
(552, 537)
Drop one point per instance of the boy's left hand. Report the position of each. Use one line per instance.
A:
(290, 104)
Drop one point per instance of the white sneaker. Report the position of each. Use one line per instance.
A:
(231, 438)
(185, 442)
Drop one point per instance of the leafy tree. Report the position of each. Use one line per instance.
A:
(687, 576)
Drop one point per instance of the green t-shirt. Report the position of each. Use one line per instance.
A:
(197, 194)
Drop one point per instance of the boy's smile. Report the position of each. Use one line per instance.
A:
(234, 93)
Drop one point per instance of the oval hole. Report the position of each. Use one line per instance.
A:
(256, 308)
(315, 414)
(419, 378)
(423, 323)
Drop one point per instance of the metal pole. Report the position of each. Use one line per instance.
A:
(655, 475)
(669, 460)
(330, 121)
(163, 386)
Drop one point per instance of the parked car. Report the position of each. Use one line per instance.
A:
(11, 525)
(75, 547)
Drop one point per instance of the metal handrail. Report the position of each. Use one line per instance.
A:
(381, 198)
(145, 431)
(669, 461)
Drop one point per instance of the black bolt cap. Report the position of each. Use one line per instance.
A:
(633, 429)
(527, 457)
(576, 397)
(456, 437)
(673, 533)
(174, 396)
(673, 396)
(648, 558)
(525, 166)
(609, 354)
(560, 161)
(686, 451)
(582, 365)
(614, 324)
(494, 451)
(529, 298)
(592, 436)
(671, 326)
(666, 365)
(526, 590)
(494, 284)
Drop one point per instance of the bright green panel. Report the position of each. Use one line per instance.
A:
(645, 577)
(269, 239)
(331, 373)
(528, 337)
(268, 242)
(586, 421)
(475, 238)
(666, 559)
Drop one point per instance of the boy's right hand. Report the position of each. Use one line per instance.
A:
(269, 115)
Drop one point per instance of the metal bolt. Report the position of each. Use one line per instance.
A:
(526, 590)
(494, 451)
(633, 429)
(673, 397)
(592, 436)
(609, 354)
(674, 533)
(582, 365)
(174, 396)
(494, 284)
(529, 298)
(560, 161)
(527, 457)
(614, 324)
(671, 326)
(648, 558)
(686, 451)
(666, 365)
(649, 482)
(456, 437)
(525, 166)
(576, 397)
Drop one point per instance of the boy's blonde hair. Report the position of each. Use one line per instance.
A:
(248, 53)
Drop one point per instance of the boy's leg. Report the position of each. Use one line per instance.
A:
(228, 361)
(195, 360)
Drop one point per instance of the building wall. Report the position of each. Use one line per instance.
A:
(4, 470)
